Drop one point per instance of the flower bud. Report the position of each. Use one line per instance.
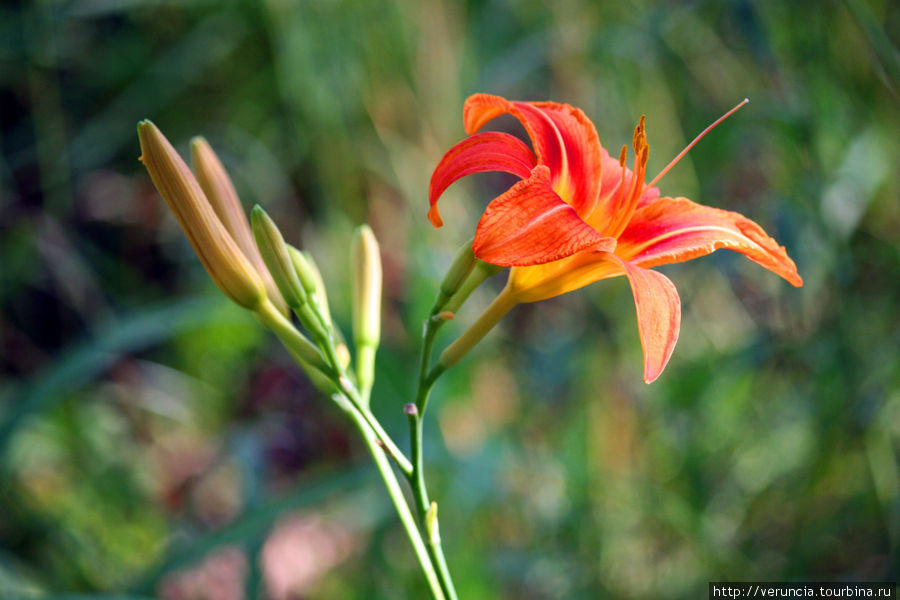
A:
(366, 273)
(275, 254)
(220, 254)
(481, 272)
(307, 275)
(366, 270)
(220, 192)
(431, 524)
(456, 275)
(311, 281)
(343, 355)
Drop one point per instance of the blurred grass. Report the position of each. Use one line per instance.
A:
(147, 423)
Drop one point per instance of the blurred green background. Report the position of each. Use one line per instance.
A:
(154, 442)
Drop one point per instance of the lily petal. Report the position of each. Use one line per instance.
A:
(563, 137)
(674, 230)
(531, 225)
(655, 297)
(658, 315)
(489, 151)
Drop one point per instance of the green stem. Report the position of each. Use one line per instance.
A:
(296, 342)
(399, 457)
(436, 551)
(423, 554)
(420, 492)
(365, 368)
(416, 415)
(417, 481)
(416, 412)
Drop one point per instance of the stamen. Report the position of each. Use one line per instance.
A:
(627, 199)
(635, 170)
(641, 151)
(697, 139)
(622, 156)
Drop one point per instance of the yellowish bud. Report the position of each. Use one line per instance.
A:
(220, 192)
(431, 524)
(343, 355)
(217, 250)
(366, 272)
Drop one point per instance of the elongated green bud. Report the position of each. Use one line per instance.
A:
(456, 275)
(223, 198)
(275, 254)
(313, 271)
(305, 271)
(313, 285)
(220, 254)
(366, 272)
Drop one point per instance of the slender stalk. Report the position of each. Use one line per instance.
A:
(436, 551)
(426, 383)
(295, 341)
(399, 457)
(416, 412)
(427, 377)
(417, 481)
(423, 553)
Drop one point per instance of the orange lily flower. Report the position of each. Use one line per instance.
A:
(578, 216)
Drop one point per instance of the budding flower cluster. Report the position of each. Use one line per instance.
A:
(224, 259)
(275, 254)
